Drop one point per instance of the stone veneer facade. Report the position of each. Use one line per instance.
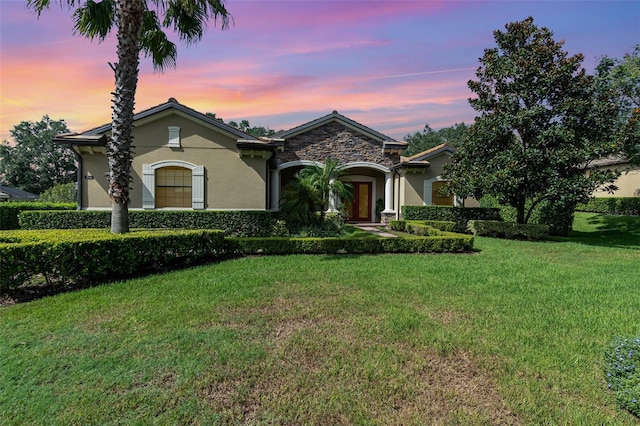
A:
(335, 141)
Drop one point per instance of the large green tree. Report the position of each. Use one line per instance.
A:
(139, 27)
(429, 138)
(542, 121)
(34, 163)
(623, 76)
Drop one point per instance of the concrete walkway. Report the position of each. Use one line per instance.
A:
(371, 227)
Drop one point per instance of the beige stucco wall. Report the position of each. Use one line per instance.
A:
(95, 182)
(413, 188)
(628, 183)
(412, 182)
(231, 182)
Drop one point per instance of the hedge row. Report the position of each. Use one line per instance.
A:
(98, 256)
(9, 211)
(239, 223)
(459, 215)
(612, 205)
(281, 246)
(558, 215)
(422, 227)
(509, 230)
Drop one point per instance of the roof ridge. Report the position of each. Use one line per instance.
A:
(335, 115)
(174, 103)
(428, 151)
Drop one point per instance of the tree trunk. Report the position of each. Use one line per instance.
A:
(130, 15)
(520, 211)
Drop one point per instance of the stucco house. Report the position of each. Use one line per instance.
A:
(628, 182)
(184, 159)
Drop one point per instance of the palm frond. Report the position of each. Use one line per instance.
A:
(39, 5)
(189, 17)
(95, 19)
(155, 44)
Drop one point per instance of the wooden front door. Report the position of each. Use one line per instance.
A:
(360, 209)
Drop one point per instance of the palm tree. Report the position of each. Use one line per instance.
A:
(300, 200)
(138, 30)
(325, 181)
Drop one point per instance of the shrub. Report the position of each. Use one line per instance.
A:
(9, 211)
(612, 205)
(622, 369)
(418, 227)
(507, 213)
(97, 255)
(398, 225)
(510, 230)
(454, 243)
(239, 223)
(557, 215)
(60, 193)
(422, 227)
(459, 215)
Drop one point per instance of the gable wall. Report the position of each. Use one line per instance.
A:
(413, 182)
(335, 141)
(231, 182)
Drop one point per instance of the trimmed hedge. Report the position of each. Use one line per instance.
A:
(239, 223)
(9, 211)
(557, 215)
(97, 255)
(459, 215)
(612, 205)
(281, 246)
(509, 230)
(422, 227)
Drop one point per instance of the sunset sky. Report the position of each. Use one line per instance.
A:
(391, 65)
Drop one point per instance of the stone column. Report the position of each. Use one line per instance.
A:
(388, 213)
(275, 190)
(332, 199)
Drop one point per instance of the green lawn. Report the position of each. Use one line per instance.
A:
(514, 333)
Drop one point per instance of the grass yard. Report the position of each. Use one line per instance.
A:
(512, 334)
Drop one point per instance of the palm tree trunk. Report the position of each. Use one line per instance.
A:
(129, 15)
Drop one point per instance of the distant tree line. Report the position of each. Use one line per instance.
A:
(429, 138)
(34, 163)
(245, 126)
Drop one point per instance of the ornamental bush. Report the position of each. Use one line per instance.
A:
(9, 211)
(612, 205)
(459, 215)
(558, 216)
(240, 223)
(452, 243)
(622, 369)
(509, 230)
(96, 255)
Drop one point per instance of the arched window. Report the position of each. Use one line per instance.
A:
(172, 183)
(173, 187)
(433, 195)
(437, 197)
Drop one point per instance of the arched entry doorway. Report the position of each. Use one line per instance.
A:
(372, 185)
